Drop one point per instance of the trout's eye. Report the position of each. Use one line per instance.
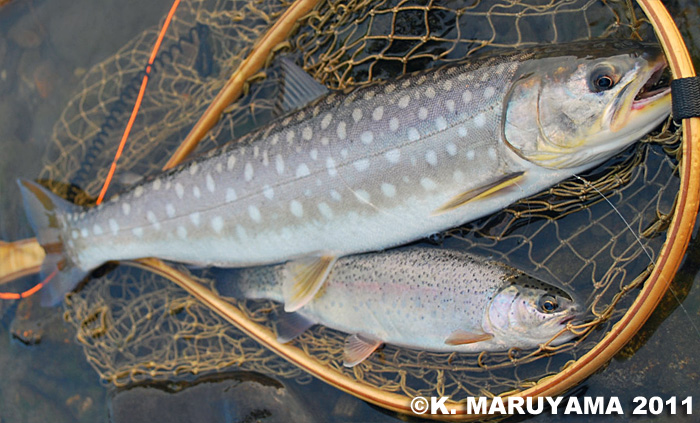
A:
(548, 304)
(602, 79)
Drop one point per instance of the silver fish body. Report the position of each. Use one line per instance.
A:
(379, 167)
(423, 298)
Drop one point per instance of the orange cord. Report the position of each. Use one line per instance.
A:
(127, 131)
(137, 105)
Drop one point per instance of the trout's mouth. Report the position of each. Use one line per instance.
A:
(656, 87)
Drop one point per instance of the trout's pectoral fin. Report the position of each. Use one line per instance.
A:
(357, 348)
(291, 325)
(483, 191)
(304, 279)
(461, 337)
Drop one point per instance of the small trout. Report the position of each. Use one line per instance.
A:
(373, 169)
(422, 298)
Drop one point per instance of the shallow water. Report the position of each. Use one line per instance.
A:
(44, 49)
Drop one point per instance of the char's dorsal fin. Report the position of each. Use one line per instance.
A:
(357, 348)
(298, 87)
(461, 337)
(303, 280)
(483, 191)
(291, 325)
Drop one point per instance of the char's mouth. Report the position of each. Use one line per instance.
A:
(656, 87)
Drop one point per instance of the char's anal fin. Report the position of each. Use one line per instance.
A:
(483, 191)
(291, 325)
(304, 279)
(357, 348)
(298, 87)
(461, 337)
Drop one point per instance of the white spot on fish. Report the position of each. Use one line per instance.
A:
(254, 213)
(275, 139)
(326, 121)
(441, 123)
(266, 159)
(268, 192)
(403, 101)
(75, 234)
(450, 104)
(428, 184)
(393, 156)
(393, 124)
(138, 191)
(388, 190)
(361, 165)
(492, 152)
(296, 208)
(179, 190)
(422, 113)
(181, 232)
(389, 88)
(413, 134)
(290, 136)
(307, 133)
(157, 184)
(303, 170)
(194, 168)
(113, 226)
(489, 92)
(230, 195)
(470, 154)
(462, 131)
(336, 195)
(219, 167)
(153, 219)
(170, 210)
(467, 96)
(357, 115)
(367, 137)
(451, 149)
(430, 92)
(138, 232)
(480, 120)
(97, 230)
(458, 176)
(362, 195)
(325, 210)
(195, 218)
(344, 153)
(431, 157)
(330, 166)
(447, 85)
(368, 95)
(231, 162)
(211, 186)
(324, 141)
(248, 172)
(217, 223)
(313, 154)
(340, 131)
(279, 164)
(126, 209)
(378, 113)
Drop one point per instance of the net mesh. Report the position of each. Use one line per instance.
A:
(596, 235)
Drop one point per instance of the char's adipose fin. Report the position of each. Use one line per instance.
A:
(357, 348)
(488, 189)
(303, 280)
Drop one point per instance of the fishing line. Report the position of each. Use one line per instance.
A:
(639, 241)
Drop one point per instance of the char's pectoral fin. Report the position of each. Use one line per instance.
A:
(304, 278)
(461, 337)
(357, 348)
(291, 325)
(486, 190)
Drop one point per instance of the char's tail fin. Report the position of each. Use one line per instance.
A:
(44, 209)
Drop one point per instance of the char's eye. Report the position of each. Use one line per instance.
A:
(548, 304)
(602, 79)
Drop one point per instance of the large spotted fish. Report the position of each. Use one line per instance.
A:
(422, 298)
(372, 169)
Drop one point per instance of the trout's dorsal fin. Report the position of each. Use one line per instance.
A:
(483, 191)
(298, 87)
(291, 325)
(357, 348)
(303, 280)
(461, 337)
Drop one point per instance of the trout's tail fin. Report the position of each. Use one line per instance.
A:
(43, 209)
